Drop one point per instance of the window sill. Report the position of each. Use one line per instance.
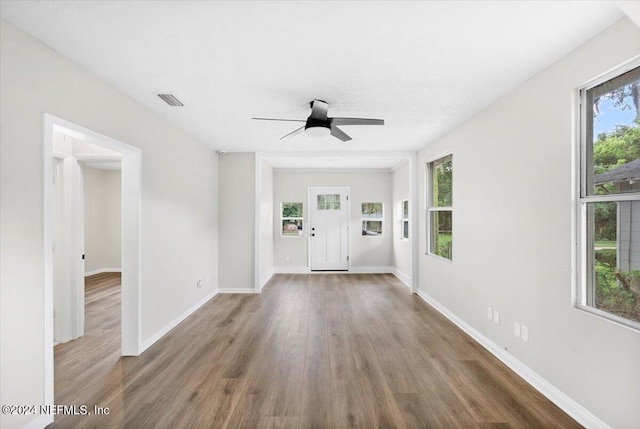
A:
(433, 255)
(630, 324)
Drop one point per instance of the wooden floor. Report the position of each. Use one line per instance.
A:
(312, 351)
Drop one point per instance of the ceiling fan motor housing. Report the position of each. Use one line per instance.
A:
(316, 99)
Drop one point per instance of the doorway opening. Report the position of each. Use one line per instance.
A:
(86, 228)
(65, 164)
(266, 239)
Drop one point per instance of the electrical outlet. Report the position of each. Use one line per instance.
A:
(524, 333)
(496, 317)
(516, 329)
(489, 313)
(199, 283)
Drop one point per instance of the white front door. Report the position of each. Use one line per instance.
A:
(329, 228)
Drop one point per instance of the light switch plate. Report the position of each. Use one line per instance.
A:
(524, 333)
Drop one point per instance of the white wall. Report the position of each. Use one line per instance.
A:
(179, 210)
(512, 235)
(266, 221)
(365, 251)
(400, 190)
(102, 199)
(236, 220)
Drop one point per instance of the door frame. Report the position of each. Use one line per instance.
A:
(130, 239)
(340, 188)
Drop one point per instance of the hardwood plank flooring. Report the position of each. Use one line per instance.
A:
(311, 351)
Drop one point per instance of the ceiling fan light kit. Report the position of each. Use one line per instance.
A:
(318, 124)
(317, 130)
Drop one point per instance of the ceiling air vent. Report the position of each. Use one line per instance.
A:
(171, 100)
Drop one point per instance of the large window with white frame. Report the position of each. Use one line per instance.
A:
(609, 198)
(440, 207)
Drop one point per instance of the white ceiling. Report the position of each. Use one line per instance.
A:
(336, 160)
(422, 66)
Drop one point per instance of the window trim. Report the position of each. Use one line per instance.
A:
(381, 220)
(582, 198)
(429, 208)
(301, 218)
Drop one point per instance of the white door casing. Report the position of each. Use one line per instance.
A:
(329, 229)
(131, 158)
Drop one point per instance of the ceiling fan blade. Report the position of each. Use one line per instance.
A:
(356, 121)
(294, 132)
(319, 110)
(273, 119)
(339, 134)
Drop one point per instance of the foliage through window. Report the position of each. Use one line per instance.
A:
(610, 198)
(404, 224)
(440, 207)
(292, 220)
(372, 218)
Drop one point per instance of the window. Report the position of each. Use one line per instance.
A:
(440, 207)
(372, 218)
(292, 219)
(329, 202)
(404, 223)
(609, 202)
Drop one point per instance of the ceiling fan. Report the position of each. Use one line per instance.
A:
(318, 124)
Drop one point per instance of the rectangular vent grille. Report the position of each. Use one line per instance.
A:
(171, 100)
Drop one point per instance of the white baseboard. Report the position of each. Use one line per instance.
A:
(402, 277)
(39, 422)
(103, 270)
(236, 290)
(370, 270)
(162, 332)
(352, 270)
(555, 395)
(266, 277)
(291, 270)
